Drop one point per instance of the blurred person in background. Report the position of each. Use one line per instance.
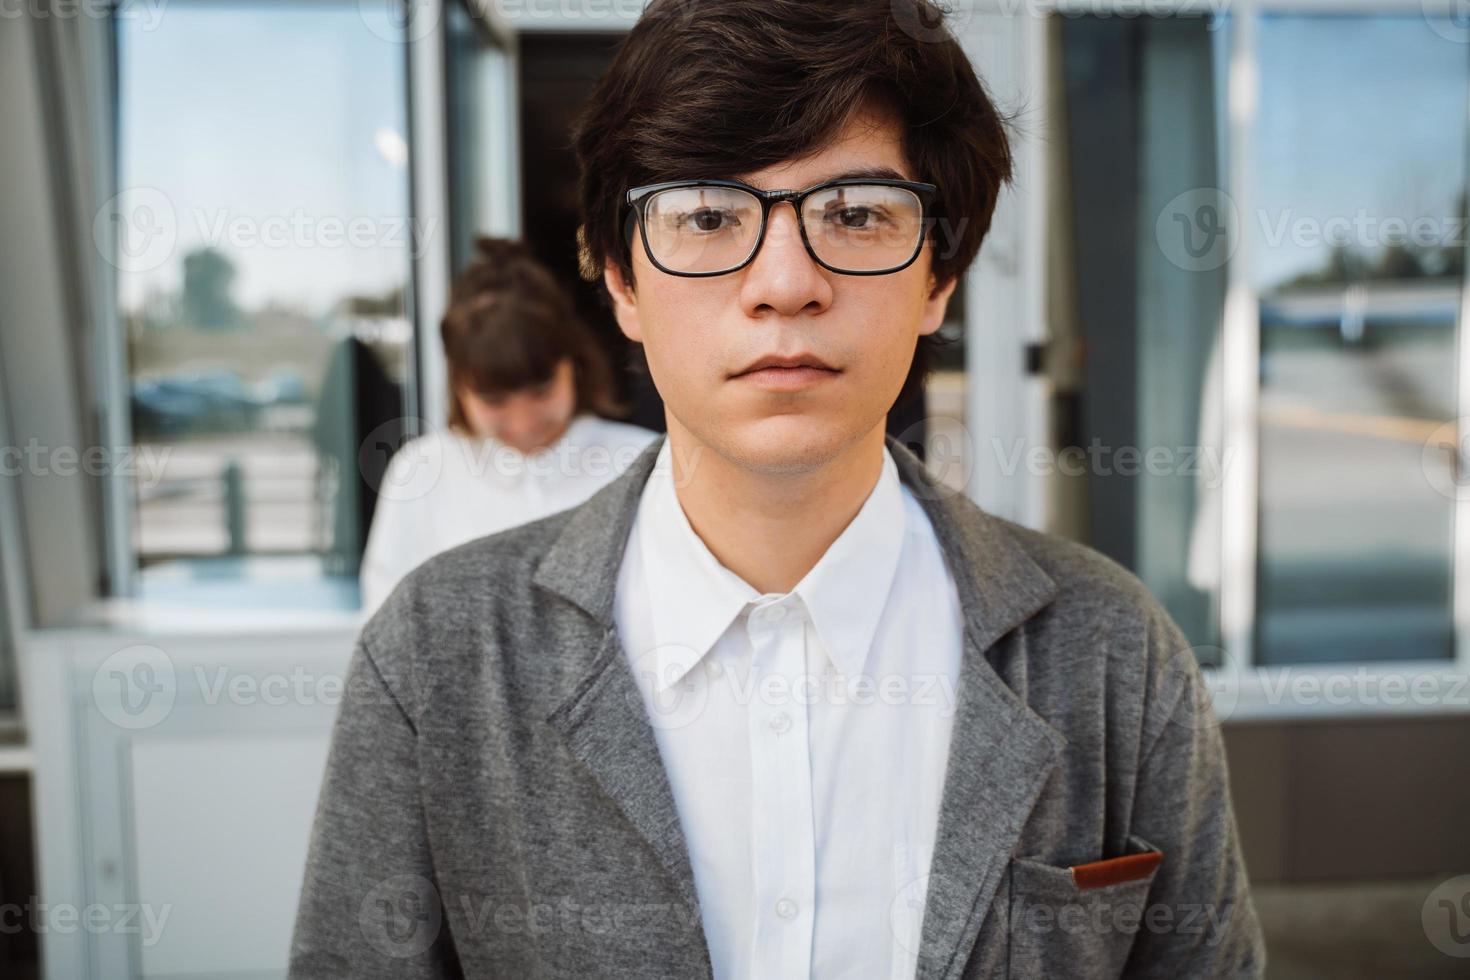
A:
(528, 385)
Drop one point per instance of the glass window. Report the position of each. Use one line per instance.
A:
(263, 243)
(1136, 316)
(13, 558)
(1358, 245)
(1356, 236)
(481, 114)
(9, 696)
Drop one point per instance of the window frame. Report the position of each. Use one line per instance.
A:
(426, 283)
(1244, 691)
(14, 599)
(500, 204)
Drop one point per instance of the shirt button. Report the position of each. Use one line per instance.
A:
(780, 723)
(786, 908)
(716, 669)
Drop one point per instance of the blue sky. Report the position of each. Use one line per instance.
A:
(269, 115)
(1355, 113)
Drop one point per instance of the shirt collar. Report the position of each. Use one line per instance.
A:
(695, 598)
(846, 591)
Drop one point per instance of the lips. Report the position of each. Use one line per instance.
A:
(788, 362)
(787, 379)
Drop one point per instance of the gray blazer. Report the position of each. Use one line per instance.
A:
(494, 803)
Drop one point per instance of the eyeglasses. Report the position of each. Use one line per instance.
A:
(855, 227)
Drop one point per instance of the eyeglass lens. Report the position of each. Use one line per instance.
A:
(851, 227)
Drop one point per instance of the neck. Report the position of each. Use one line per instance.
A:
(546, 443)
(771, 528)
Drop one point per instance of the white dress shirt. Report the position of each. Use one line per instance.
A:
(443, 488)
(804, 734)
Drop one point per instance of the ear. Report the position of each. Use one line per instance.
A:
(625, 305)
(936, 304)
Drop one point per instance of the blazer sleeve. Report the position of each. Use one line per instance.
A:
(1198, 919)
(369, 903)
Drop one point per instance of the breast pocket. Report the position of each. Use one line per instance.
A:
(1061, 924)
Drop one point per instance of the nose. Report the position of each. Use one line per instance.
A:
(784, 277)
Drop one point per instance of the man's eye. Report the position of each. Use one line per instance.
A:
(707, 220)
(857, 218)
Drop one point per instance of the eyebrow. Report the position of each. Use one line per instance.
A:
(867, 173)
(859, 173)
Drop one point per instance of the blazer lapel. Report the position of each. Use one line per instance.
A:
(601, 715)
(608, 731)
(1001, 751)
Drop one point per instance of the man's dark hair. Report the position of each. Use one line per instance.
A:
(716, 88)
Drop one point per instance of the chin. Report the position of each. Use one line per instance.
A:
(794, 443)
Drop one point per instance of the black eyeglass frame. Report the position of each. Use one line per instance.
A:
(638, 198)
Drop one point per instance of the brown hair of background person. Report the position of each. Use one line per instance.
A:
(509, 324)
(697, 100)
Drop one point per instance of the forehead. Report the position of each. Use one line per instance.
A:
(868, 145)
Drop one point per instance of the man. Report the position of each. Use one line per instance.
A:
(774, 703)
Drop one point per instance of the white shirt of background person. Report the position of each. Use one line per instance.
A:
(447, 487)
